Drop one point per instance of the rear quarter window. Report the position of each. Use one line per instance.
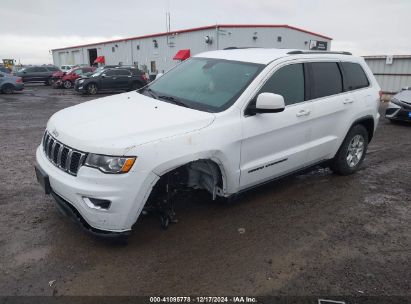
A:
(354, 76)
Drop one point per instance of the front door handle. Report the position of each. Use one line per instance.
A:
(303, 113)
(348, 101)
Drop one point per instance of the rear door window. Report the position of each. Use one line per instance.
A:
(326, 78)
(40, 69)
(123, 73)
(354, 76)
(288, 82)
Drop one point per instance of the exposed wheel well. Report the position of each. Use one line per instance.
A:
(368, 123)
(200, 174)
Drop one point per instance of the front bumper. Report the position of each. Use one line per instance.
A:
(398, 111)
(127, 193)
(79, 87)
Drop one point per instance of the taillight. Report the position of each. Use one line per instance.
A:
(19, 80)
(144, 77)
(380, 92)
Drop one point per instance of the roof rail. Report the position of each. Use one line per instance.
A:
(317, 52)
(240, 48)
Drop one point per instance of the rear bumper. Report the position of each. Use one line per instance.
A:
(18, 86)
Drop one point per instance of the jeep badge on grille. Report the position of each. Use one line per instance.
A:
(55, 133)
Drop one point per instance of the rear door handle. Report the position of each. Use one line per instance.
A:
(303, 113)
(348, 100)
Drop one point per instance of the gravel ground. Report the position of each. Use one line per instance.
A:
(312, 234)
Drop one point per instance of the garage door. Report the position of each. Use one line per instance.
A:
(62, 58)
(76, 57)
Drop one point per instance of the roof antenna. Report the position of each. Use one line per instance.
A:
(168, 22)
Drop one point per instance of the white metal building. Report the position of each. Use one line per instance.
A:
(393, 72)
(155, 53)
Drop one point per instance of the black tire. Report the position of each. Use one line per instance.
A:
(351, 153)
(49, 81)
(92, 89)
(67, 84)
(7, 89)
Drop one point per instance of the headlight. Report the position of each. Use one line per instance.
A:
(396, 101)
(110, 164)
(81, 81)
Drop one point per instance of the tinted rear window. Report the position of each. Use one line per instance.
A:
(355, 77)
(136, 72)
(327, 79)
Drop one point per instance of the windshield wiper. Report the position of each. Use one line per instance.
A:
(174, 100)
(150, 91)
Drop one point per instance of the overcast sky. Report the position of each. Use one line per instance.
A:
(29, 29)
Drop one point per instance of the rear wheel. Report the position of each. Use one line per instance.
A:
(352, 151)
(67, 84)
(92, 89)
(7, 89)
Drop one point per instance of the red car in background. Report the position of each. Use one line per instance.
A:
(67, 79)
(56, 76)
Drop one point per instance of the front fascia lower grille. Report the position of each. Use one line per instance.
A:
(63, 157)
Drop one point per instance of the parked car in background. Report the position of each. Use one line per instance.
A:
(68, 78)
(4, 70)
(37, 74)
(399, 107)
(10, 83)
(57, 76)
(109, 79)
(67, 67)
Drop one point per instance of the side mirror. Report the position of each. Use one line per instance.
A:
(267, 103)
(103, 75)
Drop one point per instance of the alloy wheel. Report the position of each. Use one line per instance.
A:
(355, 150)
(92, 89)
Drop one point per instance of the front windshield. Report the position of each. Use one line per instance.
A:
(206, 84)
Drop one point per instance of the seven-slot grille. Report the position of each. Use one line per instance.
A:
(62, 156)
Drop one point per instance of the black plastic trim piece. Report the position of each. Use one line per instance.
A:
(298, 52)
(70, 211)
(296, 172)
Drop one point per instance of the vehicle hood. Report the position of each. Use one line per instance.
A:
(404, 96)
(58, 74)
(114, 125)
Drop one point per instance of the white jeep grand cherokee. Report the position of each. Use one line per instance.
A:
(223, 121)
